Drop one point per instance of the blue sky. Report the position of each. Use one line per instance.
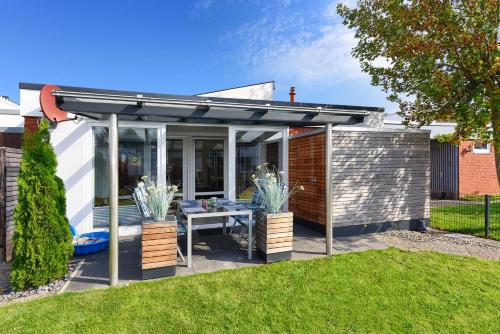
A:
(184, 47)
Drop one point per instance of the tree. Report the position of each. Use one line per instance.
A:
(438, 59)
(42, 239)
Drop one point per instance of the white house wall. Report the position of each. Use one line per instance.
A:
(436, 128)
(10, 120)
(262, 91)
(11, 123)
(73, 144)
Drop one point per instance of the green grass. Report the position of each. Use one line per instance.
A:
(466, 218)
(370, 292)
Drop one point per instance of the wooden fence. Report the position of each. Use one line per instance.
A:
(10, 159)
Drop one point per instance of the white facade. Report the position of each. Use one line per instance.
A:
(436, 128)
(261, 91)
(10, 120)
(74, 143)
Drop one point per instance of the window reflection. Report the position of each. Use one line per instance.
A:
(209, 166)
(175, 162)
(137, 156)
(254, 148)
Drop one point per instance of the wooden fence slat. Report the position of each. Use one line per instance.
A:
(10, 160)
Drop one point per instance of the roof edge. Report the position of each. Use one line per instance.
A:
(36, 86)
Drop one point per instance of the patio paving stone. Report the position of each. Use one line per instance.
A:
(211, 252)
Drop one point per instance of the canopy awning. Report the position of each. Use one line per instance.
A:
(140, 106)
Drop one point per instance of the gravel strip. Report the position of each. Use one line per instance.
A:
(7, 294)
(441, 241)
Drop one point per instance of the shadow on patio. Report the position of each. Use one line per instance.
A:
(211, 252)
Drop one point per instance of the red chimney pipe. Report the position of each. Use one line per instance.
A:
(292, 95)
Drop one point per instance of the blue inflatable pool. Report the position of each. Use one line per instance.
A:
(93, 246)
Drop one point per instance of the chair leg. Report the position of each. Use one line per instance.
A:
(232, 227)
(180, 253)
(242, 232)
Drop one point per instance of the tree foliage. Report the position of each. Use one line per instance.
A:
(42, 239)
(438, 59)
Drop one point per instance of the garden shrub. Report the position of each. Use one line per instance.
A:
(42, 239)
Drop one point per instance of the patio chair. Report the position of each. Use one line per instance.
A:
(146, 214)
(255, 204)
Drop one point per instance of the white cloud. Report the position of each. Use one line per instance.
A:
(294, 47)
(203, 4)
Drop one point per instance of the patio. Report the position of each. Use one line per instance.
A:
(211, 252)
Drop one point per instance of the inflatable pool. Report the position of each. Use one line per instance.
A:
(88, 243)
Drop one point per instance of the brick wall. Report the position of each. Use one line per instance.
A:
(476, 172)
(31, 123)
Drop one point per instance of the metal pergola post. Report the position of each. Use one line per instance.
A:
(113, 200)
(328, 188)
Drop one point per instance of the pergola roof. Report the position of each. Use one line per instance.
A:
(142, 106)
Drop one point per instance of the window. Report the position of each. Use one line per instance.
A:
(481, 147)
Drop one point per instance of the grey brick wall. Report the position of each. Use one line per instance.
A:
(380, 175)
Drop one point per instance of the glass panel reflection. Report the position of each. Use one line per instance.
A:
(254, 148)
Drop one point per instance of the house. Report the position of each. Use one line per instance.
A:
(11, 123)
(457, 170)
(209, 144)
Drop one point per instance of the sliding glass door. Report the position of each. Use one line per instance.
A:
(208, 168)
(137, 157)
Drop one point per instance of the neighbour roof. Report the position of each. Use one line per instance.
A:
(133, 105)
(7, 106)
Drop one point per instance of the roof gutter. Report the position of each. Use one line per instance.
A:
(140, 100)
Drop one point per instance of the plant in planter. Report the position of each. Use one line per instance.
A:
(274, 226)
(159, 229)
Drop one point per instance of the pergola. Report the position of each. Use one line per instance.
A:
(63, 103)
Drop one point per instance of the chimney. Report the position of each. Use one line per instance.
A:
(292, 95)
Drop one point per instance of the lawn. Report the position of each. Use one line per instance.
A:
(374, 291)
(466, 218)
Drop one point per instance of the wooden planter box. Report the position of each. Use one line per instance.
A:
(159, 248)
(274, 236)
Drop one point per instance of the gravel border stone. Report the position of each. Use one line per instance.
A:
(442, 241)
(9, 295)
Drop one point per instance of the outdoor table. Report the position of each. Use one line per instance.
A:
(193, 210)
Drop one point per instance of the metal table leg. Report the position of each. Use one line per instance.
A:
(189, 241)
(250, 236)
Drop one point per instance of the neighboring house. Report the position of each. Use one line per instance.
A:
(456, 170)
(11, 123)
(210, 144)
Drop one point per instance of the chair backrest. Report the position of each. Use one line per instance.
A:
(257, 198)
(140, 202)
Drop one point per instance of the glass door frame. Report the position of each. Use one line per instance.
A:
(232, 154)
(192, 166)
(161, 163)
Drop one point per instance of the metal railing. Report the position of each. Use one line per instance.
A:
(477, 215)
